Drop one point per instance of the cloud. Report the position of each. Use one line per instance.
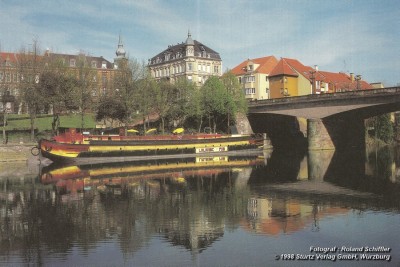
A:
(327, 33)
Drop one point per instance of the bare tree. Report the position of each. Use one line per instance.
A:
(30, 66)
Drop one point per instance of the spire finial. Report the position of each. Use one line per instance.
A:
(189, 40)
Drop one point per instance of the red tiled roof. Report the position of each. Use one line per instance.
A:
(11, 57)
(343, 81)
(283, 68)
(266, 65)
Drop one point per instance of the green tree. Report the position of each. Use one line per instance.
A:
(145, 88)
(384, 128)
(184, 104)
(236, 101)
(60, 91)
(111, 108)
(216, 100)
(164, 98)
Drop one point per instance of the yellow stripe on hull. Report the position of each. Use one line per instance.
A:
(140, 169)
(94, 148)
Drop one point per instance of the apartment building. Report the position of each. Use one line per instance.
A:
(191, 60)
(253, 75)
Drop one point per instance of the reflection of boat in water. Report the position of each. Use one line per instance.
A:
(112, 175)
(75, 147)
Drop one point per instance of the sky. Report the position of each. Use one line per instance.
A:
(353, 36)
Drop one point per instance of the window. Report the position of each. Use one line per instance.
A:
(250, 91)
(15, 77)
(240, 79)
(208, 68)
(250, 79)
(216, 69)
(190, 66)
(1, 76)
(190, 78)
(72, 62)
(8, 77)
(94, 64)
(198, 67)
(104, 65)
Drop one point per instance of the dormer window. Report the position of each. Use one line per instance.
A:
(104, 65)
(94, 64)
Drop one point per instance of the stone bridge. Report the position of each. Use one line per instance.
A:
(326, 121)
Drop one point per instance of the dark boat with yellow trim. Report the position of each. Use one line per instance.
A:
(73, 146)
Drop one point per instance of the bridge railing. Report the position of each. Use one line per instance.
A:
(347, 94)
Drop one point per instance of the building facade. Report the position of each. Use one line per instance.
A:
(253, 75)
(190, 60)
(266, 77)
(16, 73)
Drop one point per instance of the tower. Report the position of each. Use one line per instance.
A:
(189, 46)
(120, 53)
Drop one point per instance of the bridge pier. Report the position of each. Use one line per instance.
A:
(318, 136)
(336, 133)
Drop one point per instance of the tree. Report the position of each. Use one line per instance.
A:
(216, 100)
(144, 95)
(163, 100)
(60, 90)
(110, 108)
(384, 128)
(30, 67)
(184, 104)
(236, 100)
(85, 78)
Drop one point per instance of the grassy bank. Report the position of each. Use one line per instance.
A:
(18, 126)
(43, 123)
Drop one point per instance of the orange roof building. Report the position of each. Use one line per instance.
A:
(266, 77)
(253, 76)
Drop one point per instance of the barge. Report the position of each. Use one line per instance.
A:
(75, 147)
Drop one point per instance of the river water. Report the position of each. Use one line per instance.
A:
(275, 209)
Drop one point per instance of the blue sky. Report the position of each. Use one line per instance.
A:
(362, 36)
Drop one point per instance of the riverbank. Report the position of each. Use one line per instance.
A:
(16, 152)
(17, 162)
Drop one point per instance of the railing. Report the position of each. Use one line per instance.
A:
(326, 96)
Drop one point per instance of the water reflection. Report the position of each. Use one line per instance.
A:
(189, 203)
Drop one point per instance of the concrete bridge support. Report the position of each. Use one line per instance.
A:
(340, 132)
(318, 136)
(336, 133)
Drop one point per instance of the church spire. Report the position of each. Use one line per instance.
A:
(120, 53)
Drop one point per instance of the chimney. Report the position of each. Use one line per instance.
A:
(352, 77)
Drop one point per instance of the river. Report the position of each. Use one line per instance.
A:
(279, 208)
